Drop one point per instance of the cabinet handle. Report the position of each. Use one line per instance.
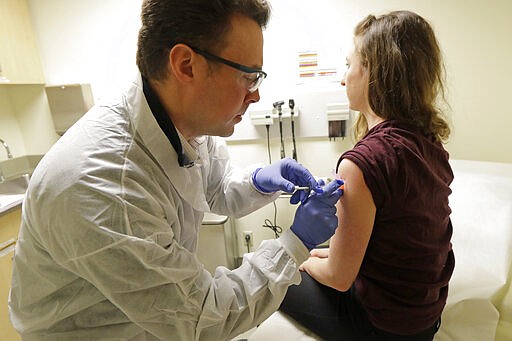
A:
(4, 246)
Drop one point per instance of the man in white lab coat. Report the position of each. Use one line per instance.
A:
(110, 221)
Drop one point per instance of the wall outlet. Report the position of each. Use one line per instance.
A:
(248, 238)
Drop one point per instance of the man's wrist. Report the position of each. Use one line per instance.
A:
(306, 244)
(294, 246)
(255, 183)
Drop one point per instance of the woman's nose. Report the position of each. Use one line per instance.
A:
(343, 79)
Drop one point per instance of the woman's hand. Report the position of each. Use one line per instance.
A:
(312, 263)
(316, 254)
(320, 253)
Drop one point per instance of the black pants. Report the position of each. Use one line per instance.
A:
(336, 315)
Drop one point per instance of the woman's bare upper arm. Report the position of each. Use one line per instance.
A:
(356, 215)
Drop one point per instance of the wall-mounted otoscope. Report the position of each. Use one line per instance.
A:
(278, 106)
(291, 104)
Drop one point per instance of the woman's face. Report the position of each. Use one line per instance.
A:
(356, 82)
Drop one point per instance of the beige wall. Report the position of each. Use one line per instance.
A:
(34, 118)
(26, 123)
(10, 130)
(475, 38)
(78, 44)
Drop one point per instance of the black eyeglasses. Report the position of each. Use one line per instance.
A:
(253, 83)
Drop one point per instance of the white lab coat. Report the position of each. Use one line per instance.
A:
(109, 233)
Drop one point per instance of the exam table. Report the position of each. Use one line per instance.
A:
(479, 305)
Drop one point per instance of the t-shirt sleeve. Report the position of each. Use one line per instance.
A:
(376, 158)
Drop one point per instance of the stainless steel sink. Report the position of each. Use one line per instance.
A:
(17, 185)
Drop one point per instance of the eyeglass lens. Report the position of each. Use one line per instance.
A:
(256, 82)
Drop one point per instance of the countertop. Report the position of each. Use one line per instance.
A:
(8, 202)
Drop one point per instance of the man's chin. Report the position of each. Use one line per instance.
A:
(227, 132)
(230, 133)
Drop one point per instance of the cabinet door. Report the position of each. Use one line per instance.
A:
(9, 226)
(19, 57)
(8, 332)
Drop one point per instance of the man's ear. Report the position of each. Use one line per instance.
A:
(181, 62)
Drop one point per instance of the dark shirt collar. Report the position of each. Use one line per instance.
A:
(165, 123)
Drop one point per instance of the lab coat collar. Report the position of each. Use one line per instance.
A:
(188, 182)
(190, 149)
(167, 126)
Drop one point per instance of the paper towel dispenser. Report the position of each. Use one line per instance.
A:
(68, 103)
(338, 115)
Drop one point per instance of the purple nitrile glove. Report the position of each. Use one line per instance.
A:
(315, 220)
(283, 175)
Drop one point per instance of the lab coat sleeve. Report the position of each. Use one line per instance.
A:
(155, 282)
(257, 289)
(229, 188)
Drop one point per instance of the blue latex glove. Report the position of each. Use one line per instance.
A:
(283, 175)
(315, 221)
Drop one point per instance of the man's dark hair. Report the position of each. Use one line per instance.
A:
(199, 23)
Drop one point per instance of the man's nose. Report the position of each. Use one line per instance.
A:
(253, 97)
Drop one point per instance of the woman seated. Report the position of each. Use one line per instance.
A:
(385, 275)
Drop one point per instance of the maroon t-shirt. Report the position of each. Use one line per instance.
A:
(403, 280)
